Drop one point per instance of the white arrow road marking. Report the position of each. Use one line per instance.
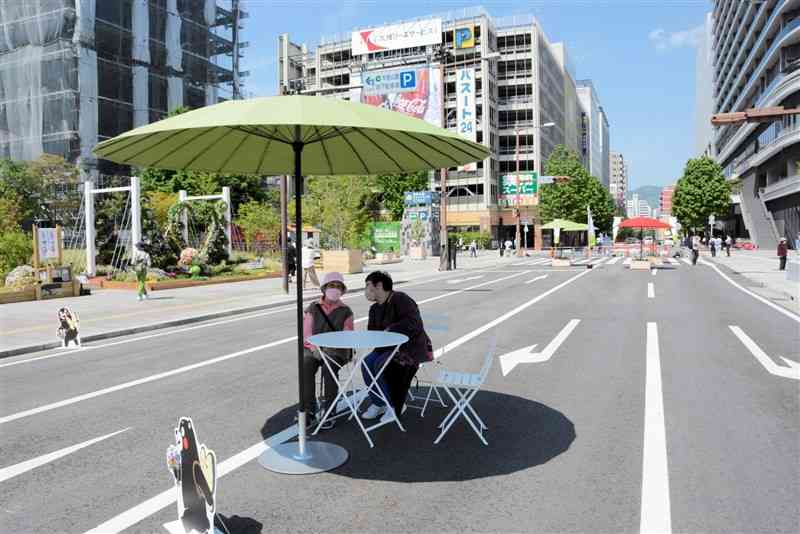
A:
(793, 371)
(512, 359)
(460, 280)
(655, 513)
(149, 507)
(651, 290)
(537, 278)
(23, 467)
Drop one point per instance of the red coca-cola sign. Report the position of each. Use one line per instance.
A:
(414, 103)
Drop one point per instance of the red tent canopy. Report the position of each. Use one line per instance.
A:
(644, 222)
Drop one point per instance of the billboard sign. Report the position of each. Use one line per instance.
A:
(528, 188)
(464, 37)
(467, 123)
(415, 92)
(418, 198)
(385, 236)
(397, 36)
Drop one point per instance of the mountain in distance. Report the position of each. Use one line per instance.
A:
(650, 193)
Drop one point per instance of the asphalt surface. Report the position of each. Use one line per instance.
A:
(567, 437)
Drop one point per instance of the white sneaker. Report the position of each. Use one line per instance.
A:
(373, 411)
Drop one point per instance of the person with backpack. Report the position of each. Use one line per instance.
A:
(328, 314)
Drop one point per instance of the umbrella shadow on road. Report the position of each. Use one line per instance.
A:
(522, 434)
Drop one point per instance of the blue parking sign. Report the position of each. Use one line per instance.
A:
(408, 79)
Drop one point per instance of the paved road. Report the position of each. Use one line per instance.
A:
(576, 443)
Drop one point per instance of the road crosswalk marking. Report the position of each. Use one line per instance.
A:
(686, 261)
(627, 261)
(614, 260)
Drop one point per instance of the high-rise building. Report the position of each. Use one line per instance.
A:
(595, 145)
(704, 89)
(618, 185)
(756, 55)
(498, 81)
(638, 208)
(76, 72)
(666, 200)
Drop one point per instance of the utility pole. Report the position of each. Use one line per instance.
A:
(284, 236)
(518, 238)
(444, 259)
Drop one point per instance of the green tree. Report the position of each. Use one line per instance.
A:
(45, 189)
(392, 188)
(258, 219)
(10, 214)
(338, 206)
(16, 249)
(701, 191)
(567, 199)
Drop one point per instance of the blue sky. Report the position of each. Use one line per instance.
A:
(640, 55)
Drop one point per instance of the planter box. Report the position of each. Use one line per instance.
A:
(186, 282)
(343, 261)
(562, 262)
(23, 295)
(655, 261)
(640, 265)
(417, 253)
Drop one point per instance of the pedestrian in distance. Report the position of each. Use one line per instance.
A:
(291, 260)
(509, 244)
(782, 253)
(328, 314)
(728, 244)
(393, 311)
(309, 271)
(473, 249)
(712, 244)
(141, 263)
(695, 249)
(718, 244)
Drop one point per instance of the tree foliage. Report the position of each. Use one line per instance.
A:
(338, 206)
(392, 189)
(258, 219)
(44, 189)
(701, 191)
(568, 199)
(16, 248)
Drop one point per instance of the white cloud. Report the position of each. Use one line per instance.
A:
(664, 40)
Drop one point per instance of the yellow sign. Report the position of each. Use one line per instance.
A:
(464, 37)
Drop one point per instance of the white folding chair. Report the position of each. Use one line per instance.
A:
(434, 322)
(462, 388)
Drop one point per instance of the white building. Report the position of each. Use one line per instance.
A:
(618, 186)
(594, 133)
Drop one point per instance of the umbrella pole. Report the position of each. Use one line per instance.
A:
(301, 457)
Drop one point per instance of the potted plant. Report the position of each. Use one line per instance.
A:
(417, 249)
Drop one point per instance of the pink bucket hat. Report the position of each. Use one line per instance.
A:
(333, 277)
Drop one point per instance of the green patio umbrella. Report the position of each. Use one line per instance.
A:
(299, 135)
(567, 226)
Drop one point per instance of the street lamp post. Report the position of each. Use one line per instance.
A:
(520, 246)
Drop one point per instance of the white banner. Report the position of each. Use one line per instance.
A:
(410, 34)
(48, 244)
(465, 109)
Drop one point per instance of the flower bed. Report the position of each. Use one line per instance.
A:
(178, 283)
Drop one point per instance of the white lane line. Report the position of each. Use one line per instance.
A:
(23, 467)
(244, 317)
(614, 260)
(627, 261)
(655, 512)
(460, 280)
(793, 371)
(153, 505)
(651, 290)
(578, 262)
(601, 260)
(687, 261)
(204, 363)
(537, 278)
(772, 305)
(654, 271)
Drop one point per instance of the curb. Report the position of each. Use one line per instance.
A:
(788, 302)
(159, 326)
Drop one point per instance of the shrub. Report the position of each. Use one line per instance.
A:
(16, 249)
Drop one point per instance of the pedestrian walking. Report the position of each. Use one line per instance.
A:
(473, 249)
(712, 245)
(309, 271)
(782, 252)
(728, 244)
(141, 263)
(291, 260)
(508, 244)
(695, 249)
(718, 244)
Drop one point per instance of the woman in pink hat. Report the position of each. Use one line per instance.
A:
(328, 314)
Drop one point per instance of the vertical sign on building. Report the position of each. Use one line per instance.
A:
(465, 108)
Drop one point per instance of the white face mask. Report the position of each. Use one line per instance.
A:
(333, 294)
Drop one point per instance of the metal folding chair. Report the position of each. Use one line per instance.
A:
(462, 388)
(434, 322)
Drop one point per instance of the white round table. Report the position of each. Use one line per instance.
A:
(362, 339)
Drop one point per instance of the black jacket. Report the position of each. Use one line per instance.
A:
(400, 314)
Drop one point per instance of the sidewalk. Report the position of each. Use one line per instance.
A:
(31, 326)
(760, 270)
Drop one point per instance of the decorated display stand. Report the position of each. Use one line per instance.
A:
(54, 279)
(224, 196)
(136, 218)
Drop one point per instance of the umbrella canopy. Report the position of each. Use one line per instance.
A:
(567, 226)
(644, 222)
(300, 135)
(257, 136)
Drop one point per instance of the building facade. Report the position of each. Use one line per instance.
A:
(665, 203)
(76, 72)
(618, 186)
(595, 147)
(756, 64)
(704, 89)
(524, 104)
(638, 208)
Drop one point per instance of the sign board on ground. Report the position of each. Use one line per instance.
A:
(385, 236)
